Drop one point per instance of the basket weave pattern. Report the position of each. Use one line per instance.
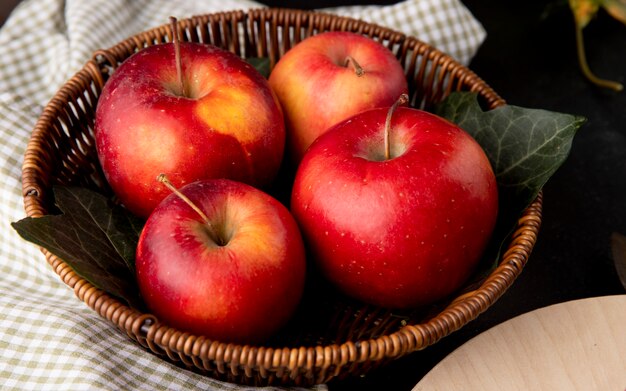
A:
(62, 151)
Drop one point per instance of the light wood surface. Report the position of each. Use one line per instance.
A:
(577, 345)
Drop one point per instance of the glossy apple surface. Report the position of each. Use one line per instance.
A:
(227, 125)
(399, 232)
(317, 84)
(238, 279)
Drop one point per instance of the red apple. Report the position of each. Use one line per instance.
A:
(318, 83)
(232, 272)
(401, 231)
(224, 123)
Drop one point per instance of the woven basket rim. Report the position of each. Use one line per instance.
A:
(317, 363)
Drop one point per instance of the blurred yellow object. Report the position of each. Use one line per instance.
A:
(584, 11)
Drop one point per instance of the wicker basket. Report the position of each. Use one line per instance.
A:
(331, 336)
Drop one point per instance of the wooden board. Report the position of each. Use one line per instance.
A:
(577, 345)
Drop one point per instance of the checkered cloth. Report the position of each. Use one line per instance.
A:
(48, 338)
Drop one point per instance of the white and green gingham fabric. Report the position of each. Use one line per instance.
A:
(49, 339)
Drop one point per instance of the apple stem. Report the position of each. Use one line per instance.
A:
(177, 56)
(357, 68)
(401, 100)
(163, 179)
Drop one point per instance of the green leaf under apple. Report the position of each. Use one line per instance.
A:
(525, 146)
(95, 237)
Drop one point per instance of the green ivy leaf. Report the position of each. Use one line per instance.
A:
(261, 64)
(94, 237)
(525, 146)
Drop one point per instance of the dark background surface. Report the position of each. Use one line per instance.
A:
(529, 58)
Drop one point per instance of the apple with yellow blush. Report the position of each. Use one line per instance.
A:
(202, 113)
(329, 77)
(221, 259)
